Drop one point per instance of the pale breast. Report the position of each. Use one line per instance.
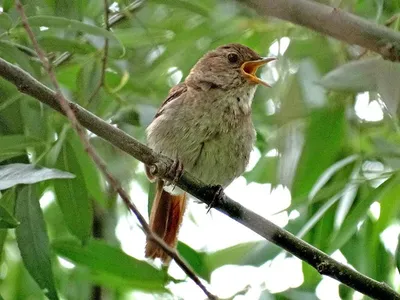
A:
(212, 137)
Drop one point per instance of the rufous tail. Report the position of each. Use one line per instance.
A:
(165, 220)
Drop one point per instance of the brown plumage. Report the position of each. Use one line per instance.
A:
(205, 123)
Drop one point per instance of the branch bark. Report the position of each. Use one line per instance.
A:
(64, 105)
(322, 262)
(333, 22)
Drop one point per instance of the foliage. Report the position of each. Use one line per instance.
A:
(312, 135)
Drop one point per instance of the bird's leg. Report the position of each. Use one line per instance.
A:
(218, 196)
(175, 172)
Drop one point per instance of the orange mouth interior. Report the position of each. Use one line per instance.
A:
(249, 69)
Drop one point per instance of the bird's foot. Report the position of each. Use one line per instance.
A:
(175, 172)
(218, 196)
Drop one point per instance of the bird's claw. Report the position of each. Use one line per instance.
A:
(175, 172)
(218, 195)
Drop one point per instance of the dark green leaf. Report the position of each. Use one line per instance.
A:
(93, 180)
(33, 241)
(7, 220)
(72, 195)
(7, 201)
(14, 174)
(196, 260)
(358, 213)
(113, 263)
(7, 4)
(14, 143)
(325, 137)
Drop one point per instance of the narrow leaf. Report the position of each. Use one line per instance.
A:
(17, 142)
(33, 241)
(69, 24)
(51, 43)
(5, 21)
(113, 262)
(327, 175)
(14, 174)
(388, 77)
(72, 195)
(359, 212)
(324, 136)
(357, 76)
(7, 201)
(7, 220)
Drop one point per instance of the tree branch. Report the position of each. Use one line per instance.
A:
(65, 108)
(333, 22)
(322, 262)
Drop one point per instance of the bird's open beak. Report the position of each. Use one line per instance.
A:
(249, 69)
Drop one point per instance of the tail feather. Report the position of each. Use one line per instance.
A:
(165, 221)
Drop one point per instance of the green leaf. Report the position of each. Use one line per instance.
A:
(7, 202)
(88, 79)
(318, 215)
(134, 38)
(5, 21)
(14, 174)
(196, 260)
(187, 5)
(358, 213)
(51, 43)
(7, 4)
(398, 254)
(113, 263)
(356, 76)
(265, 171)
(10, 52)
(250, 253)
(69, 24)
(33, 241)
(325, 137)
(16, 143)
(7, 220)
(94, 182)
(328, 173)
(387, 79)
(72, 195)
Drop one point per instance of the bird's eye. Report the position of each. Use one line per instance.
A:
(233, 58)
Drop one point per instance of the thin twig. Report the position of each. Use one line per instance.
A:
(104, 57)
(322, 262)
(68, 111)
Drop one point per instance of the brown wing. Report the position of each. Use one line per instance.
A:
(174, 93)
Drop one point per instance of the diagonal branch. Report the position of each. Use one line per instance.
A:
(333, 22)
(65, 108)
(322, 262)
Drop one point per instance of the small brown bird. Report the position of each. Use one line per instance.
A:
(205, 124)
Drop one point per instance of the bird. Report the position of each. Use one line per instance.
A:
(205, 126)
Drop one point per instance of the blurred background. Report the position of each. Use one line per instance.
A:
(325, 165)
